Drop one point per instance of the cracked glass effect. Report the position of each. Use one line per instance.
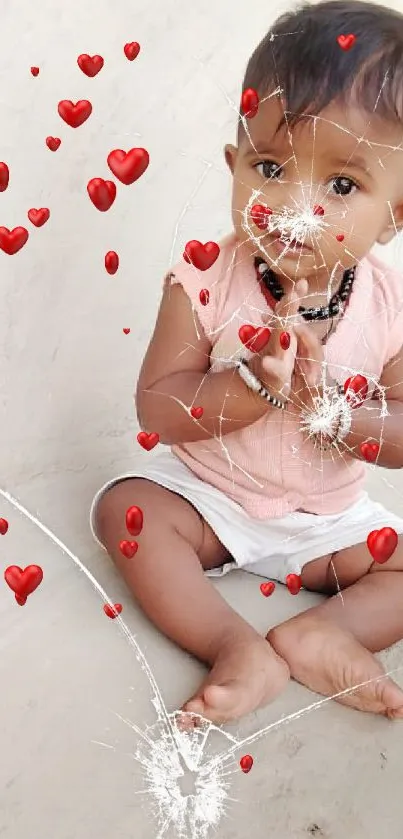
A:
(187, 789)
(325, 413)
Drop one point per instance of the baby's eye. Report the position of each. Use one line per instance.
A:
(268, 171)
(344, 185)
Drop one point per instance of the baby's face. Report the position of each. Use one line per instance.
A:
(359, 186)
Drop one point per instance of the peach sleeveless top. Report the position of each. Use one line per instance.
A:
(269, 467)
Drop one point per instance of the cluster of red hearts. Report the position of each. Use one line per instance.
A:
(126, 166)
(24, 581)
(134, 526)
(11, 241)
(381, 545)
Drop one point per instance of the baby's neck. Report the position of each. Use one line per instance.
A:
(320, 282)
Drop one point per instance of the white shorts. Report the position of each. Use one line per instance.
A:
(271, 548)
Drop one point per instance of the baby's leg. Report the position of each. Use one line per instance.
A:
(167, 579)
(329, 647)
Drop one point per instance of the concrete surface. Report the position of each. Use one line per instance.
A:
(69, 677)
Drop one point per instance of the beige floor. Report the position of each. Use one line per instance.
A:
(75, 700)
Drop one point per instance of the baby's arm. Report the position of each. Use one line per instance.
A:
(175, 376)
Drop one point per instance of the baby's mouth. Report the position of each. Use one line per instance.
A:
(293, 244)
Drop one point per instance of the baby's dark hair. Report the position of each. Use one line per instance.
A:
(301, 55)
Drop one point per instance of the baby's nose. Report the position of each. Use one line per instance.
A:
(299, 195)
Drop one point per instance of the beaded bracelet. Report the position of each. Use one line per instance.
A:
(255, 384)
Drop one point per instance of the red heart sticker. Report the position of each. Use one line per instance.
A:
(285, 340)
(128, 166)
(4, 176)
(102, 193)
(369, 451)
(3, 527)
(90, 65)
(356, 390)
(260, 216)
(39, 217)
(11, 241)
(204, 296)
(53, 143)
(148, 441)
(293, 583)
(382, 544)
(35, 71)
(134, 520)
(126, 330)
(201, 256)
(249, 102)
(128, 549)
(20, 599)
(246, 763)
(111, 262)
(267, 588)
(254, 339)
(318, 210)
(23, 581)
(196, 412)
(346, 41)
(340, 237)
(76, 114)
(131, 50)
(113, 611)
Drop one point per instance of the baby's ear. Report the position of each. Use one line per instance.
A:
(230, 154)
(396, 226)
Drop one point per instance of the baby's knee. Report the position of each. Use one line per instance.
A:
(164, 513)
(110, 512)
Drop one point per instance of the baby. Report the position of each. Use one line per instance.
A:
(274, 372)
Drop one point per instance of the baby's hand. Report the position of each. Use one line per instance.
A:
(276, 364)
(310, 355)
(308, 378)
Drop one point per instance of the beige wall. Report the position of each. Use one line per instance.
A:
(67, 371)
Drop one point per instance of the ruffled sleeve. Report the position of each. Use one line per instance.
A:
(203, 288)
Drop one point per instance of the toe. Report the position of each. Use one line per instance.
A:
(192, 711)
(195, 705)
(228, 701)
(221, 702)
(380, 695)
(216, 704)
(392, 698)
(395, 715)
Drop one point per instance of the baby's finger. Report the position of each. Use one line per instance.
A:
(289, 305)
(310, 353)
(301, 288)
(274, 367)
(309, 342)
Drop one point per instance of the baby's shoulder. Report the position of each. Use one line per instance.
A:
(206, 287)
(387, 285)
(210, 261)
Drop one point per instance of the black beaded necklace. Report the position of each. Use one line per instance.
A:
(317, 312)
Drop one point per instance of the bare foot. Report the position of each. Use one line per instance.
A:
(328, 660)
(246, 674)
